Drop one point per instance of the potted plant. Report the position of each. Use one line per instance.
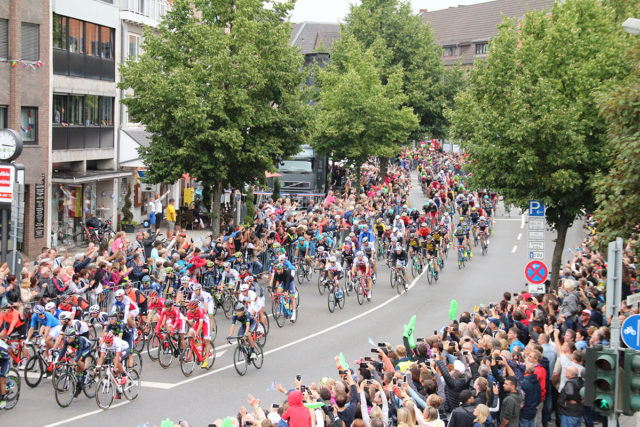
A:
(127, 223)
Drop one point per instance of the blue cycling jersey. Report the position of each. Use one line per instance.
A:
(48, 320)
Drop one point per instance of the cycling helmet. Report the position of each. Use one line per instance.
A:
(352, 234)
(398, 247)
(152, 294)
(275, 245)
(68, 299)
(237, 255)
(128, 285)
(94, 309)
(486, 197)
(429, 237)
(192, 305)
(300, 239)
(113, 315)
(320, 249)
(281, 258)
(244, 287)
(395, 229)
(70, 332)
(108, 337)
(360, 253)
(332, 259)
(366, 226)
(50, 306)
(424, 224)
(473, 209)
(146, 279)
(168, 303)
(245, 267)
(64, 316)
(119, 293)
(248, 279)
(459, 228)
(279, 267)
(169, 270)
(196, 286)
(5, 306)
(185, 279)
(38, 309)
(365, 239)
(210, 264)
(227, 264)
(482, 218)
(239, 307)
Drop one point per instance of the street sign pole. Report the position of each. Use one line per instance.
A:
(614, 297)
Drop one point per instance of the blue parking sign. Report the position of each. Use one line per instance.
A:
(536, 208)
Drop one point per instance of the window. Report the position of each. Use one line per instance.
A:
(91, 111)
(3, 117)
(29, 124)
(92, 32)
(296, 166)
(106, 43)
(60, 110)
(60, 24)
(134, 46)
(76, 109)
(4, 38)
(106, 111)
(450, 51)
(76, 36)
(30, 41)
(482, 48)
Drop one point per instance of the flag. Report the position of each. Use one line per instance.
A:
(371, 343)
(273, 385)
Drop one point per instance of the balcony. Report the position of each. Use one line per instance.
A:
(144, 12)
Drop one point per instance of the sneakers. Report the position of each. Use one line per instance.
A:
(252, 356)
(369, 295)
(123, 380)
(294, 315)
(78, 390)
(3, 402)
(117, 396)
(205, 364)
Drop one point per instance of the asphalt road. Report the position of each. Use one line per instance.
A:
(306, 347)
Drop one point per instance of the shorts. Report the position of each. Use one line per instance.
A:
(291, 287)
(82, 355)
(243, 328)
(144, 308)
(401, 263)
(5, 362)
(433, 252)
(206, 331)
(55, 331)
(124, 354)
(210, 308)
(260, 303)
(170, 326)
(134, 312)
(19, 332)
(171, 225)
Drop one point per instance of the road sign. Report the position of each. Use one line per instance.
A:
(536, 208)
(536, 272)
(633, 299)
(536, 245)
(536, 224)
(536, 255)
(537, 289)
(631, 332)
(536, 235)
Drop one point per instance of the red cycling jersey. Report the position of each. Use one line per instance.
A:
(173, 315)
(157, 306)
(196, 316)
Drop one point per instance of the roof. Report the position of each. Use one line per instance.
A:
(310, 35)
(477, 22)
(141, 136)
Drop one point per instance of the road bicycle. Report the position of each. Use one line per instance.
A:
(432, 274)
(67, 382)
(335, 297)
(37, 366)
(323, 278)
(348, 283)
(169, 348)
(303, 269)
(281, 308)
(461, 256)
(474, 232)
(400, 283)
(195, 352)
(12, 386)
(16, 348)
(362, 288)
(382, 249)
(445, 247)
(483, 244)
(109, 385)
(242, 355)
(416, 265)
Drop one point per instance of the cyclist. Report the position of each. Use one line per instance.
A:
(282, 278)
(399, 260)
(121, 349)
(347, 255)
(247, 325)
(129, 308)
(414, 245)
(117, 327)
(369, 249)
(283, 260)
(379, 228)
(148, 285)
(302, 248)
(321, 259)
(396, 236)
(83, 348)
(66, 322)
(74, 305)
(198, 322)
(488, 209)
(49, 327)
(467, 231)
(95, 315)
(229, 275)
(432, 252)
(5, 362)
(483, 228)
(174, 320)
(139, 298)
(156, 305)
(474, 216)
(334, 272)
(260, 298)
(51, 308)
(461, 237)
(205, 301)
(361, 266)
(11, 321)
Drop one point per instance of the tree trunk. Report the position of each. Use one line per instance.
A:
(556, 262)
(384, 163)
(215, 209)
(358, 180)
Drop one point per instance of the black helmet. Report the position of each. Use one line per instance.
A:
(168, 303)
(239, 307)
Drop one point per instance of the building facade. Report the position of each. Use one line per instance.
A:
(25, 51)
(464, 32)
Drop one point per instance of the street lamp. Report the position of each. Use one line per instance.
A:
(632, 26)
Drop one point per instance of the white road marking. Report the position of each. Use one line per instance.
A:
(506, 219)
(153, 384)
(87, 414)
(519, 236)
(515, 248)
(522, 222)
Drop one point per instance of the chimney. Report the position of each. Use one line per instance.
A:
(423, 11)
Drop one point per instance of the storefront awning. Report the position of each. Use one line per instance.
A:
(90, 176)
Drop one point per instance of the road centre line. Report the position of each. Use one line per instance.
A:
(87, 414)
(519, 236)
(515, 248)
(522, 222)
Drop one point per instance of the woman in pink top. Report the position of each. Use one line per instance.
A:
(331, 199)
(118, 242)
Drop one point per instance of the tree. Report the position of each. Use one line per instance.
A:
(529, 119)
(618, 193)
(400, 39)
(275, 195)
(359, 116)
(220, 89)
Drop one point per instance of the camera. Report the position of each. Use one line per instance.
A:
(328, 409)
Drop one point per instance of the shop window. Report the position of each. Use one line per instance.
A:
(29, 124)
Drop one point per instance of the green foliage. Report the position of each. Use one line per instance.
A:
(529, 118)
(275, 195)
(359, 116)
(251, 207)
(399, 39)
(618, 193)
(219, 88)
(127, 215)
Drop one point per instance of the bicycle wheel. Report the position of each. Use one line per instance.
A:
(261, 335)
(400, 284)
(321, 286)
(340, 297)
(460, 260)
(278, 315)
(131, 389)
(93, 333)
(139, 341)
(90, 382)
(348, 286)
(212, 355)
(105, 392)
(214, 328)
(65, 387)
(165, 356)
(33, 371)
(137, 361)
(267, 324)
(331, 301)
(12, 384)
(430, 272)
(227, 306)
(300, 275)
(258, 358)
(240, 360)
(360, 293)
(153, 347)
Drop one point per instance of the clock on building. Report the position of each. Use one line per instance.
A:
(10, 145)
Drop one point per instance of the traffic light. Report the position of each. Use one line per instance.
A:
(631, 383)
(606, 362)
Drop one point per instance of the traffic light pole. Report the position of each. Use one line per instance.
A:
(614, 298)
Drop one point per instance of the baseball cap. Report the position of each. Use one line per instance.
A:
(586, 312)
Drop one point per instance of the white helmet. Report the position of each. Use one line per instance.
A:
(282, 258)
(332, 258)
(120, 293)
(184, 279)
(196, 286)
(65, 315)
(94, 309)
(482, 218)
(50, 306)
(244, 287)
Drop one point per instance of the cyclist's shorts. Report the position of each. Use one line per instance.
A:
(243, 328)
(206, 331)
(144, 308)
(82, 354)
(433, 252)
(19, 332)
(4, 366)
(55, 331)
(401, 263)
(460, 241)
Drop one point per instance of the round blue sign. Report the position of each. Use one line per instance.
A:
(631, 332)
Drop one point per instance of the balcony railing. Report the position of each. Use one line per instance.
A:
(146, 12)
